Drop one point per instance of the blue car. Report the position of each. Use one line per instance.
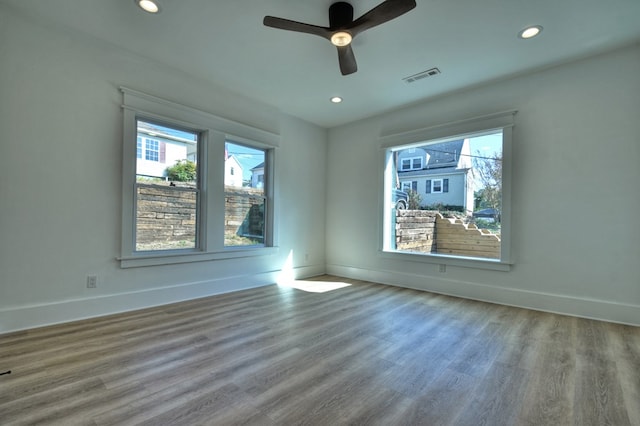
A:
(400, 199)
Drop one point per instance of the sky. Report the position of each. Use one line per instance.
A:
(247, 157)
(487, 145)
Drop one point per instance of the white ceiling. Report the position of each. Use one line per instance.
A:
(470, 41)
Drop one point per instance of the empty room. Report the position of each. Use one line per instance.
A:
(376, 212)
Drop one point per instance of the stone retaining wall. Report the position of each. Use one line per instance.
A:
(427, 231)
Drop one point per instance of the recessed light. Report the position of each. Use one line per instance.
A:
(530, 32)
(151, 6)
(336, 99)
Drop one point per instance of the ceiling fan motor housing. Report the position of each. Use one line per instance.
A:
(340, 15)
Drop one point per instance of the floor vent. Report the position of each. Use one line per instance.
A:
(424, 74)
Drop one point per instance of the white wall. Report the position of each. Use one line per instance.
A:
(576, 155)
(60, 200)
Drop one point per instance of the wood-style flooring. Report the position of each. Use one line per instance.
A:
(362, 354)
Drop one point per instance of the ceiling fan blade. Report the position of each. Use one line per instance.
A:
(385, 11)
(286, 24)
(347, 60)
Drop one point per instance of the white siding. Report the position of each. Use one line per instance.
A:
(232, 172)
(173, 152)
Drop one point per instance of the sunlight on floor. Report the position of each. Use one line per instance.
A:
(314, 286)
(287, 279)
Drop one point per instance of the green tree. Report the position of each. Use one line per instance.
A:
(488, 170)
(182, 171)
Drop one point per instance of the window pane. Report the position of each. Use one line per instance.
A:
(152, 150)
(167, 189)
(245, 198)
(165, 217)
(459, 211)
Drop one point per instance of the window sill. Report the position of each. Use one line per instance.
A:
(442, 259)
(175, 257)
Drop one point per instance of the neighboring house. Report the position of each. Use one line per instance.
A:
(257, 176)
(158, 149)
(232, 172)
(440, 173)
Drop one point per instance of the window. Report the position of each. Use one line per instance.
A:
(167, 199)
(178, 205)
(436, 185)
(462, 217)
(244, 203)
(411, 185)
(414, 163)
(152, 150)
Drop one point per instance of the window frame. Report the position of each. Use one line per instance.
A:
(264, 198)
(412, 161)
(412, 183)
(433, 186)
(214, 132)
(475, 126)
(155, 150)
(201, 149)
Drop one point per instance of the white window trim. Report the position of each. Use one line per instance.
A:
(433, 186)
(214, 131)
(411, 161)
(410, 182)
(448, 131)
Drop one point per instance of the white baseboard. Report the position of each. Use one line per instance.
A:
(554, 303)
(31, 316)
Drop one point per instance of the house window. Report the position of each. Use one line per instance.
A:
(152, 150)
(466, 187)
(411, 185)
(177, 206)
(414, 163)
(437, 186)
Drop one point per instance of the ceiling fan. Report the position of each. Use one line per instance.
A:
(342, 28)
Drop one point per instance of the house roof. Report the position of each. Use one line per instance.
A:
(445, 154)
(167, 133)
(259, 166)
(441, 158)
(441, 171)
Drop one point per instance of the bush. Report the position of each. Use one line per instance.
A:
(444, 208)
(414, 200)
(182, 171)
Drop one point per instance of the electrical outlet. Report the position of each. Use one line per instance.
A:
(442, 268)
(306, 258)
(92, 281)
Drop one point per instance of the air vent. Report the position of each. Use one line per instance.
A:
(424, 74)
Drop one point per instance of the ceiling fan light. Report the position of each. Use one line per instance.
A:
(151, 6)
(341, 38)
(336, 99)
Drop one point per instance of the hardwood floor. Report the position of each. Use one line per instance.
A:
(360, 354)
